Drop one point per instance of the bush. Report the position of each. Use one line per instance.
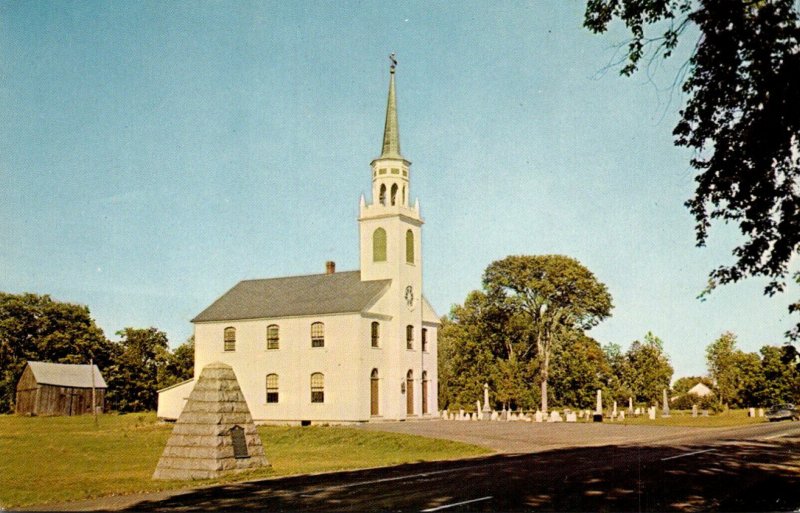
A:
(686, 401)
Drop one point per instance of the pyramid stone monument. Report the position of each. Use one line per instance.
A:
(215, 434)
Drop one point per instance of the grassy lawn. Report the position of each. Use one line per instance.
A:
(685, 419)
(51, 459)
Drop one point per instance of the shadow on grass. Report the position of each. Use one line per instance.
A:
(725, 476)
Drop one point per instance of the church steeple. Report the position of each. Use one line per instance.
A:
(391, 133)
(389, 222)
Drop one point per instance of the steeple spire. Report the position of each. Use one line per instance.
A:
(391, 133)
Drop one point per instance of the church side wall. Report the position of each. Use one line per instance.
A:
(294, 362)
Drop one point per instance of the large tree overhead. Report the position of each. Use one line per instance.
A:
(742, 118)
(556, 294)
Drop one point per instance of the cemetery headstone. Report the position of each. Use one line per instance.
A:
(761, 412)
(651, 413)
(538, 416)
(665, 407)
(751, 412)
(599, 406)
(622, 415)
(694, 410)
(572, 417)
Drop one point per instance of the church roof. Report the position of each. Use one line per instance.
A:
(67, 375)
(316, 294)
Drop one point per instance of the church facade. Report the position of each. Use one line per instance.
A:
(351, 346)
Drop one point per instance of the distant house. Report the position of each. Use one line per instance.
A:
(59, 389)
(700, 390)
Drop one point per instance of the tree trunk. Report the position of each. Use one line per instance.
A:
(544, 394)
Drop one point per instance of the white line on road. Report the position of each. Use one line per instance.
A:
(457, 504)
(687, 454)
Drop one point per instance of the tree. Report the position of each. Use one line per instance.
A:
(179, 365)
(134, 376)
(549, 297)
(721, 360)
(647, 370)
(579, 367)
(742, 119)
(779, 382)
(35, 327)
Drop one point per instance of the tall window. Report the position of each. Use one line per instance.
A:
(273, 337)
(317, 335)
(409, 247)
(394, 194)
(272, 388)
(424, 339)
(379, 245)
(382, 196)
(230, 339)
(317, 387)
(409, 337)
(376, 333)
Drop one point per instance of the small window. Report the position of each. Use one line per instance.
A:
(317, 335)
(230, 339)
(409, 337)
(410, 247)
(376, 334)
(424, 339)
(394, 194)
(382, 195)
(272, 388)
(273, 337)
(317, 387)
(379, 245)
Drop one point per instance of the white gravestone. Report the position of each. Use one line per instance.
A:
(555, 416)
(694, 410)
(622, 415)
(572, 417)
(538, 416)
(599, 407)
(651, 413)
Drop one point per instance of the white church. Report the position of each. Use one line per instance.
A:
(338, 347)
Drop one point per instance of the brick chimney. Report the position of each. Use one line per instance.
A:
(330, 267)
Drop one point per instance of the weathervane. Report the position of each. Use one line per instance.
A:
(394, 62)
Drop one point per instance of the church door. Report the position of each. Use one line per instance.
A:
(373, 393)
(410, 393)
(424, 393)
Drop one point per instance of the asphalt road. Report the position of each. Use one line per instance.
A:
(752, 468)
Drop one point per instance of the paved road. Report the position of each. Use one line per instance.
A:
(752, 468)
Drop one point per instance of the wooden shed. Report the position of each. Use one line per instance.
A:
(59, 389)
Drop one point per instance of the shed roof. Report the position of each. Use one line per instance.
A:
(67, 375)
(314, 294)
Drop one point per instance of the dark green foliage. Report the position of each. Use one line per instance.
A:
(133, 378)
(686, 401)
(646, 371)
(179, 365)
(578, 369)
(741, 118)
(34, 327)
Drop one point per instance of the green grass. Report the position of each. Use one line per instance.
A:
(53, 459)
(683, 418)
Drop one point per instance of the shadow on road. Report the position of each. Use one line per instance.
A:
(725, 476)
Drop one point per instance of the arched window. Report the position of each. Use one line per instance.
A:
(404, 195)
(410, 247)
(424, 339)
(379, 245)
(317, 335)
(230, 339)
(376, 334)
(409, 337)
(273, 337)
(317, 387)
(272, 388)
(373, 393)
(382, 196)
(394, 194)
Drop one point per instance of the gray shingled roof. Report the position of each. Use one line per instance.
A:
(66, 375)
(316, 294)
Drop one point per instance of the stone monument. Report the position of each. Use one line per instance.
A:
(214, 434)
(665, 407)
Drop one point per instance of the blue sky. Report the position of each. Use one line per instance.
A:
(156, 153)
